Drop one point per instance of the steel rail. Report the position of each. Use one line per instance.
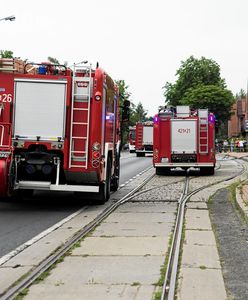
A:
(52, 259)
(169, 286)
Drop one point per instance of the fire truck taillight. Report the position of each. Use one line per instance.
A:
(98, 96)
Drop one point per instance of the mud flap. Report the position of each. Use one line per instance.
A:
(3, 178)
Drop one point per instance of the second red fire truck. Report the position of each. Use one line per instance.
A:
(184, 139)
(59, 130)
(144, 138)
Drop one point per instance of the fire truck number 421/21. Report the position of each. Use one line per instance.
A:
(59, 130)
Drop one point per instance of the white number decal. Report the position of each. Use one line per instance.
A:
(6, 98)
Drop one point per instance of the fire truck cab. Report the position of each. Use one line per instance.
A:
(144, 138)
(184, 139)
(59, 130)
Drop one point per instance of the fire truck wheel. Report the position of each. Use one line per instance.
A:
(24, 193)
(140, 154)
(115, 179)
(207, 171)
(162, 171)
(104, 192)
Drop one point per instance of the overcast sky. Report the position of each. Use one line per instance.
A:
(140, 41)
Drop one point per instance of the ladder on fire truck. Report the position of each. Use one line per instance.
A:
(203, 131)
(80, 116)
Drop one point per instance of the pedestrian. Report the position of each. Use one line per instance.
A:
(225, 145)
(237, 145)
(241, 146)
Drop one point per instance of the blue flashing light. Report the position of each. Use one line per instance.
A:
(155, 120)
(211, 118)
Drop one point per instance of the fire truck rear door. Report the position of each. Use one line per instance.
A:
(39, 109)
(183, 135)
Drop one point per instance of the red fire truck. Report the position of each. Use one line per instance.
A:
(131, 138)
(144, 138)
(59, 130)
(184, 139)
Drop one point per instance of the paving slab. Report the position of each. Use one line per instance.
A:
(197, 219)
(131, 229)
(140, 217)
(122, 246)
(113, 270)
(199, 237)
(91, 292)
(200, 256)
(197, 205)
(199, 284)
(36, 253)
(10, 275)
(152, 207)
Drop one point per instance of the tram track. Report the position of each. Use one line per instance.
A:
(171, 273)
(53, 258)
(169, 286)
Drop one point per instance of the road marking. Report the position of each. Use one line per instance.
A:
(13, 253)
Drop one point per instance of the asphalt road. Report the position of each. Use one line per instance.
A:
(21, 220)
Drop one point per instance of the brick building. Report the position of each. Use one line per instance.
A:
(237, 124)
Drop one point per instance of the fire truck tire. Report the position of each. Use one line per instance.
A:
(207, 171)
(116, 178)
(162, 171)
(24, 193)
(104, 192)
(140, 154)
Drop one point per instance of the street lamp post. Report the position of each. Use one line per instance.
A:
(10, 18)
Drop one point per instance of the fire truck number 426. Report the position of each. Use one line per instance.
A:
(6, 98)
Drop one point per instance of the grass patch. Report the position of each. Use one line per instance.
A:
(160, 282)
(22, 294)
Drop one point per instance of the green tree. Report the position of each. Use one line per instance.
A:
(53, 60)
(218, 100)
(199, 85)
(139, 114)
(192, 73)
(6, 54)
(240, 95)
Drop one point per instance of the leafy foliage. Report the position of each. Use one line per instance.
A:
(216, 99)
(138, 114)
(199, 85)
(6, 54)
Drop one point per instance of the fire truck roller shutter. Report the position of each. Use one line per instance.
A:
(40, 107)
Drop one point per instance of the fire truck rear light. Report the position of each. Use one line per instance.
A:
(96, 155)
(164, 159)
(96, 147)
(98, 96)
